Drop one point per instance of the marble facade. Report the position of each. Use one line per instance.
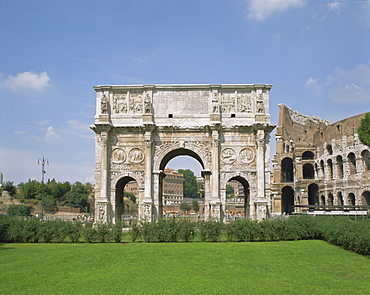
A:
(140, 128)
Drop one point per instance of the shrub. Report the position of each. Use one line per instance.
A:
(116, 231)
(74, 231)
(102, 232)
(135, 231)
(165, 230)
(210, 230)
(19, 210)
(186, 230)
(90, 234)
(46, 231)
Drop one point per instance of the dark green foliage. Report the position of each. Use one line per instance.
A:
(102, 231)
(210, 230)
(74, 231)
(146, 231)
(185, 207)
(5, 222)
(46, 231)
(135, 231)
(9, 187)
(341, 231)
(78, 195)
(116, 231)
(90, 234)
(61, 230)
(19, 210)
(229, 191)
(190, 183)
(195, 205)
(129, 196)
(186, 230)
(364, 130)
(242, 230)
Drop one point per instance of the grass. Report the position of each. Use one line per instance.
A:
(299, 267)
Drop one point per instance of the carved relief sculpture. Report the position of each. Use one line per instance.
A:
(136, 155)
(246, 155)
(104, 105)
(228, 155)
(260, 106)
(118, 155)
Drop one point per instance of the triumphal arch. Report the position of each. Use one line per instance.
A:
(140, 128)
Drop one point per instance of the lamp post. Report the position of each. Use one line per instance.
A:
(42, 162)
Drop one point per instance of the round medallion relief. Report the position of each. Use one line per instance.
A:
(228, 155)
(118, 155)
(246, 155)
(136, 155)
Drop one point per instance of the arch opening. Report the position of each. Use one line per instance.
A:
(126, 196)
(340, 201)
(180, 182)
(340, 166)
(287, 170)
(308, 155)
(313, 194)
(238, 207)
(351, 199)
(287, 195)
(330, 199)
(308, 171)
(366, 198)
(352, 163)
(366, 158)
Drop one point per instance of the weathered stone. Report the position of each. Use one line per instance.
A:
(139, 129)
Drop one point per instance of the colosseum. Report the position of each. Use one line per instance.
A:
(319, 168)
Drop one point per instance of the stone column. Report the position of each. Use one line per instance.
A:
(148, 193)
(157, 193)
(215, 177)
(206, 174)
(261, 203)
(102, 209)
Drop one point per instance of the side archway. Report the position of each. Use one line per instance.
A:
(245, 195)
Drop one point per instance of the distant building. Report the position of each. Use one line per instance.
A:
(173, 187)
(319, 164)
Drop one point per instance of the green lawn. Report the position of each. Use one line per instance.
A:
(301, 267)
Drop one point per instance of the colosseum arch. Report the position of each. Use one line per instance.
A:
(139, 128)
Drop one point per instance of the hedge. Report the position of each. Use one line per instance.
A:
(341, 231)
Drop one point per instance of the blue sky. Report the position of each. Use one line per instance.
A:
(316, 54)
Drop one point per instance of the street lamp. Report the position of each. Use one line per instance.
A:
(42, 162)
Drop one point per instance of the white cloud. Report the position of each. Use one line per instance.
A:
(261, 9)
(334, 6)
(345, 86)
(27, 81)
(51, 135)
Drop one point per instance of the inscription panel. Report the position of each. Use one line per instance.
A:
(181, 102)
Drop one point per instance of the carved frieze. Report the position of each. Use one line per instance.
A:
(228, 155)
(245, 103)
(136, 155)
(246, 155)
(228, 102)
(118, 155)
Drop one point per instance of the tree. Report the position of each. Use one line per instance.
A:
(364, 130)
(129, 196)
(19, 210)
(185, 207)
(229, 191)
(31, 190)
(10, 188)
(77, 197)
(195, 205)
(190, 183)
